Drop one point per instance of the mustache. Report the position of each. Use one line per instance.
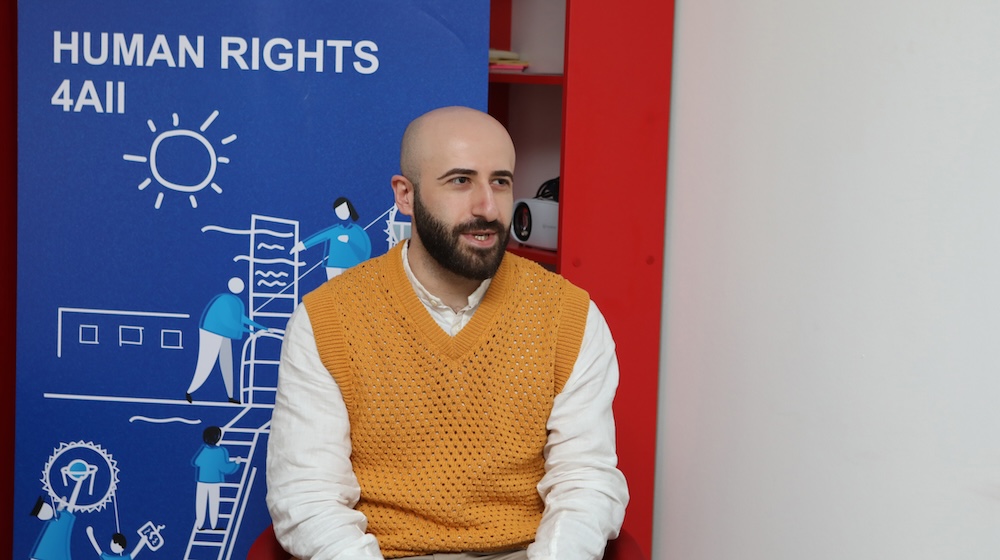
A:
(479, 224)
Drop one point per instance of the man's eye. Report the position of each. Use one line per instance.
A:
(460, 180)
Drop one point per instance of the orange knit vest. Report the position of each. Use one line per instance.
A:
(447, 433)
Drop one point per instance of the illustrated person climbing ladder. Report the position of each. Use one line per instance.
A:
(213, 463)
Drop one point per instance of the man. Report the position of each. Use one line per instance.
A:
(447, 398)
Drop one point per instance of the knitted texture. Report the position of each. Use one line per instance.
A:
(447, 433)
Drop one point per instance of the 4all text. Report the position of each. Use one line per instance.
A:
(106, 97)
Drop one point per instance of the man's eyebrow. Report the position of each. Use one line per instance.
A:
(473, 173)
(458, 171)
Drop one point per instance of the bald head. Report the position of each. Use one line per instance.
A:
(435, 130)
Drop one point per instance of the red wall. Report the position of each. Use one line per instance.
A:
(611, 232)
(8, 280)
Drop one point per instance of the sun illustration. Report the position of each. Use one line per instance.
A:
(167, 140)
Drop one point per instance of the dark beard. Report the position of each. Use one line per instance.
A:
(445, 246)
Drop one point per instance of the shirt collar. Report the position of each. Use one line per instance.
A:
(432, 300)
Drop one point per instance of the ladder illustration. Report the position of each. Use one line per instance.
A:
(241, 437)
(274, 294)
(395, 230)
(259, 375)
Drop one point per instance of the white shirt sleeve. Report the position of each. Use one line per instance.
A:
(311, 487)
(584, 492)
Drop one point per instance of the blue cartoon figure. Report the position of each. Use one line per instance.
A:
(117, 547)
(212, 463)
(223, 321)
(347, 244)
(53, 541)
(149, 536)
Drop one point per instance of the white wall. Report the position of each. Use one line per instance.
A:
(831, 356)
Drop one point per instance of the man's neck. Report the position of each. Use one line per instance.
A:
(450, 288)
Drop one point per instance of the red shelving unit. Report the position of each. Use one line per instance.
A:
(614, 129)
(542, 256)
(526, 77)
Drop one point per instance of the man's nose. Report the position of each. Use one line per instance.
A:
(484, 204)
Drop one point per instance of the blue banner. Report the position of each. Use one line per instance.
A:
(187, 171)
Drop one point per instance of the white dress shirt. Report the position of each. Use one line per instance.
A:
(312, 490)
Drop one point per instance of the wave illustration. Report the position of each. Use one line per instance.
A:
(239, 258)
(271, 284)
(269, 246)
(258, 231)
(164, 420)
(271, 274)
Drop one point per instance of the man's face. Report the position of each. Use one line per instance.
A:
(444, 242)
(462, 201)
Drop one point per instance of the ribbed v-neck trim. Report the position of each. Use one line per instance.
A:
(467, 338)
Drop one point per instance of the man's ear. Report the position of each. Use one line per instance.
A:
(404, 193)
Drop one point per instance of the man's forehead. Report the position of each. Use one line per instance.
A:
(478, 146)
(483, 158)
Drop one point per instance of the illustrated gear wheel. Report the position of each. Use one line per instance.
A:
(93, 454)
